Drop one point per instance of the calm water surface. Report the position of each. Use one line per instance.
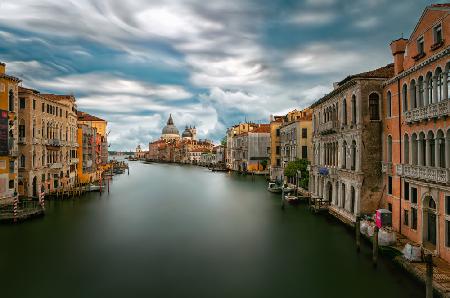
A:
(173, 231)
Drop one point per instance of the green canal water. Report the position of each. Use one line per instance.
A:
(181, 231)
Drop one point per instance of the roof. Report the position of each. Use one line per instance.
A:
(261, 128)
(58, 97)
(11, 78)
(23, 89)
(83, 116)
(384, 72)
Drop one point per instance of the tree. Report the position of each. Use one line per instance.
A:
(300, 165)
(223, 142)
(264, 164)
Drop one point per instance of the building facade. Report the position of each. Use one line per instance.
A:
(345, 169)
(275, 168)
(9, 136)
(47, 158)
(416, 133)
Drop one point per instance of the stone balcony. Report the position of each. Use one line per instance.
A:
(328, 127)
(74, 160)
(56, 166)
(434, 110)
(431, 174)
(386, 167)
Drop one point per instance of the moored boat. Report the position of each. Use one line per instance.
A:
(273, 187)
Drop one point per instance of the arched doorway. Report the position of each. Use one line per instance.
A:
(430, 220)
(35, 190)
(329, 191)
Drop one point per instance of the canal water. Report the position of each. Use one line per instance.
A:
(183, 231)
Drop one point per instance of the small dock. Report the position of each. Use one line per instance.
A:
(318, 204)
(23, 210)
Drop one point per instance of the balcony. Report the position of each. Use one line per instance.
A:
(386, 167)
(56, 166)
(328, 127)
(436, 175)
(434, 110)
(54, 142)
(74, 160)
(35, 141)
(21, 140)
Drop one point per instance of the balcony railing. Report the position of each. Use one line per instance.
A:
(434, 110)
(386, 167)
(437, 175)
(328, 127)
(56, 165)
(21, 140)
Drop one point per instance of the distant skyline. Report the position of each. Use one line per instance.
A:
(209, 63)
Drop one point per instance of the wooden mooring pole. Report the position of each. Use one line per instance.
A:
(429, 276)
(358, 233)
(375, 247)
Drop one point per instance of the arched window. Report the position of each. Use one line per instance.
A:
(440, 142)
(431, 152)
(447, 81)
(431, 204)
(439, 84)
(405, 97)
(344, 111)
(353, 199)
(11, 101)
(388, 104)
(343, 196)
(22, 161)
(421, 102)
(422, 150)
(344, 155)
(374, 106)
(21, 128)
(353, 109)
(389, 149)
(406, 149)
(412, 95)
(430, 88)
(353, 155)
(414, 149)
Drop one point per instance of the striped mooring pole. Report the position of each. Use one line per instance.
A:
(16, 206)
(41, 200)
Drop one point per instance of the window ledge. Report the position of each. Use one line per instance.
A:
(419, 56)
(437, 45)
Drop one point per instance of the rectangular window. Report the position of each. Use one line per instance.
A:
(447, 205)
(447, 232)
(437, 33)
(389, 185)
(22, 103)
(11, 184)
(278, 150)
(34, 104)
(390, 207)
(414, 218)
(278, 162)
(413, 195)
(406, 217)
(304, 133)
(406, 191)
(43, 107)
(420, 47)
(304, 152)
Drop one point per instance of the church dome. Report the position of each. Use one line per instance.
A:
(170, 129)
(187, 133)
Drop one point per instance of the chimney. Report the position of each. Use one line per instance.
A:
(2, 68)
(398, 48)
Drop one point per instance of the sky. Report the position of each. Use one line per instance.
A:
(210, 63)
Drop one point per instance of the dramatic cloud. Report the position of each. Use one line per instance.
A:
(209, 63)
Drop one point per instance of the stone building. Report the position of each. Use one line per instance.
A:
(101, 126)
(233, 152)
(8, 135)
(416, 133)
(47, 142)
(347, 145)
(275, 168)
(295, 136)
(250, 150)
(87, 153)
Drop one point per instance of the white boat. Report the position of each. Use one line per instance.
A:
(291, 199)
(273, 187)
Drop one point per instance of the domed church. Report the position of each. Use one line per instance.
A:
(189, 133)
(170, 131)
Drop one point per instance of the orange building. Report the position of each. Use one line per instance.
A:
(416, 133)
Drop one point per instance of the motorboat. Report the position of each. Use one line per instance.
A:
(273, 187)
(291, 199)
